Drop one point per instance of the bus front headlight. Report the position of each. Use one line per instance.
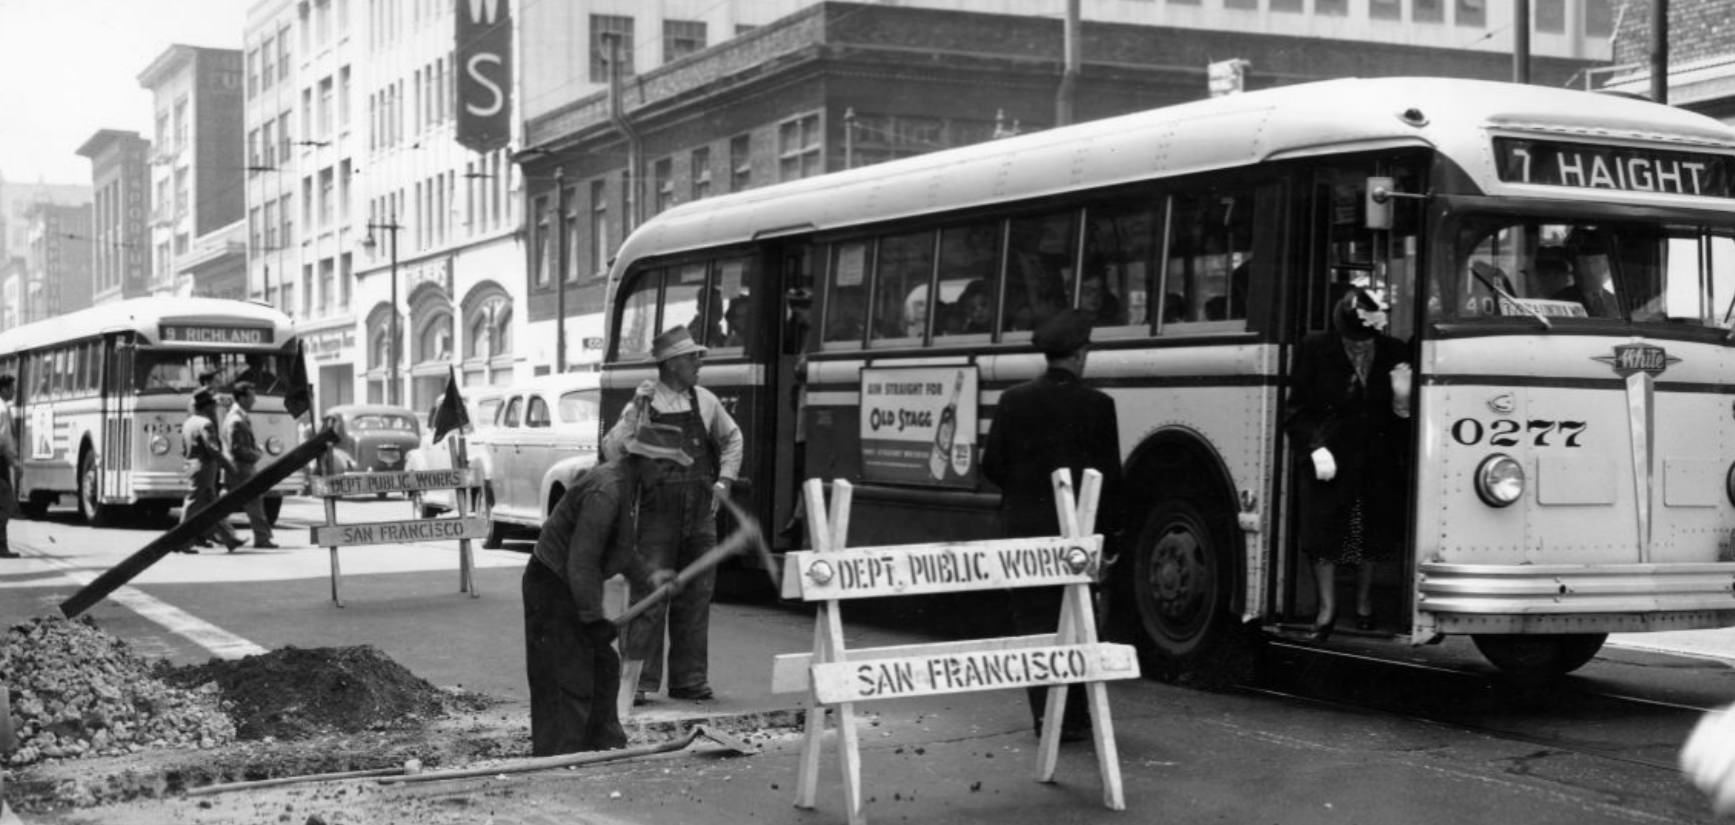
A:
(274, 445)
(159, 445)
(1499, 480)
(1729, 484)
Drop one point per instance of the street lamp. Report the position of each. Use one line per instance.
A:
(391, 225)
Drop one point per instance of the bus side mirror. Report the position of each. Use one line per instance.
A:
(1379, 203)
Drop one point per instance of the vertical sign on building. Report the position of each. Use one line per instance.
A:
(484, 57)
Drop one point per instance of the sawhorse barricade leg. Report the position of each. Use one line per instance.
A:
(827, 533)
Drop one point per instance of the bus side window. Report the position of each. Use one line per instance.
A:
(1119, 259)
(638, 322)
(844, 297)
(739, 305)
(692, 301)
(1039, 269)
(969, 259)
(904, 267)
(1210, 247)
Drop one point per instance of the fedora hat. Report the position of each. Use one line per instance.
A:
(677, 341)
(661, 441)
(202, 398)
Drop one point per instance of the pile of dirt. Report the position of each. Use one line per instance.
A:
(297, 693)
(78, 692)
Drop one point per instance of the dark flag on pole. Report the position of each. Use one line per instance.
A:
(299, 398)
(450, 415)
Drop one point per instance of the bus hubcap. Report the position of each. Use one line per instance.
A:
(1175, 573)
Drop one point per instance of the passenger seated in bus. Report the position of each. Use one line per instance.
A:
(1234, 305)
(736, 317)
(1590, 276)
(707, 326)
(975, 308)
(843, 319)
(1099, 302)
(1174, 308)
(1550, 274)
(915, 323)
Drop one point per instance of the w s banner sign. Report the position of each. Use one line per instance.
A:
(484, 57)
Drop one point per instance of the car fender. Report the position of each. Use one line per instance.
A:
(564, 473)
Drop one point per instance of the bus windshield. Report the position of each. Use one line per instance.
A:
(1612, 272)
(177, 371)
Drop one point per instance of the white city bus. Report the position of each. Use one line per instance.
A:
(1569, 469)
(102, 393)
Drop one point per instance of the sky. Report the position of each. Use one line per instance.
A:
(71, 67)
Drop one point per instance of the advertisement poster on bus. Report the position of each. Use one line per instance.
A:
(918, 425)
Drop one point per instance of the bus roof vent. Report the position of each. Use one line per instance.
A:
(1413, 116)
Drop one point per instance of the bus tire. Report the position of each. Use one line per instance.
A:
(95, 513)
(1539, 656)
(273, 509)
(1180, 581)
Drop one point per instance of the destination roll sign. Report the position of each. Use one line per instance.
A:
(214, 334)
(1620, 168)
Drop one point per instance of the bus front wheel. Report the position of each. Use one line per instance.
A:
(1179, 581)
(95, 513)
(1539, 656)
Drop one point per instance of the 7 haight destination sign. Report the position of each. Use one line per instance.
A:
(1618, 168)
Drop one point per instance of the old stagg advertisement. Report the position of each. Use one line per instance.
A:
(918, 425)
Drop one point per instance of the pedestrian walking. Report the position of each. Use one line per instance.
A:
(573, 669)
(203, 452)
(1052, 421)
(680, 517)
(244, 453)
(8, 464)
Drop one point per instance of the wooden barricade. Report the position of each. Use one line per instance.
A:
(465, 527)
(836, 678)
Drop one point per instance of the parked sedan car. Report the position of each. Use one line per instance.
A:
(376, 438)
(482, 404)
(542, 439)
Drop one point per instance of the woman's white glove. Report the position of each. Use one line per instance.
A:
(1708, 758)
(1324, 466)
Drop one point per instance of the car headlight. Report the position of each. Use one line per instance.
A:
(159, 445)
(1499, 480)
(274, 445)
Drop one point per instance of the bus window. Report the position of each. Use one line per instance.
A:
(1039, 268)
(638, 322)
(902, 274)
(1119, 259)
(969, 262)
(689, 297)
(846, 297)
(738, 305)
(1210, 247)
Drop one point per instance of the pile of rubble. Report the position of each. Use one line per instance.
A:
(77, 691)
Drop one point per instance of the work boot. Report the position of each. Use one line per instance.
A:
(233, 543)
(702, 693)
(265, 544)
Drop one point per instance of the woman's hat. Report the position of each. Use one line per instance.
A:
(660, 441)
(202, 398)
(677, 341)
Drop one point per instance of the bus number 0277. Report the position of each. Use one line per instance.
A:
(1507, 432)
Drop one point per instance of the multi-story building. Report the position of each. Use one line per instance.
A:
(12, 278)
(196, 174)
(120, 230)
(57, 261)
(718, 96)
(1701, 73)
(304, 137)
(18, 198)
(445, 258)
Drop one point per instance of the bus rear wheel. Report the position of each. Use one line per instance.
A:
(95, 513)
(1540, 656)
(1180, 587)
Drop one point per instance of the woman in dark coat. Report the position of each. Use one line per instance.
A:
(1347, 425)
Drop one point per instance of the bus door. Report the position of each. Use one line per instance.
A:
(788, 265)
(119, 416)
(1338, 250)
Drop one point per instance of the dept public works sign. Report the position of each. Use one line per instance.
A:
(484, 56)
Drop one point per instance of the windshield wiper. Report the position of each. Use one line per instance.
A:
(1480, 269)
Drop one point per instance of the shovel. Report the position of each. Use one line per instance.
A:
(729, 743)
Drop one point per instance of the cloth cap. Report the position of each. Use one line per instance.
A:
(659, 441)
(202, 398)
(677, 341)
(1063, 333)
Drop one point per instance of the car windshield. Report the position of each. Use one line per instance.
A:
(382, 421)
(1609, 272)
(179, 371)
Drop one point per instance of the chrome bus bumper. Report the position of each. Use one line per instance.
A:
(1564, 598)
(149, 484)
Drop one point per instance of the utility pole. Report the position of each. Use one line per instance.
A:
(560, 247)
(1069, 71)
(1660, 51)
(1521, 41)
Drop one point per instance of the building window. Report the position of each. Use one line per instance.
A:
(283, 53)
(798, 148)
(267, 64)
(283, 133)
(740, 162)
(681, 38)
(327, 286)
(599, 227)
(325, 197)
(286, 211)
(605, 30)
(1241, 4)
(663, 179)
(1550, 16)
(1472, 13)
(1331, 8)
(343, 98)
(325, 97)
(181, 193)
(180, 124)
(1287, 5)
(1385, 9)
(1428, 11)
(701, 171)
(252, 73)
(539, 254)
(253, 150)
(569, 230)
